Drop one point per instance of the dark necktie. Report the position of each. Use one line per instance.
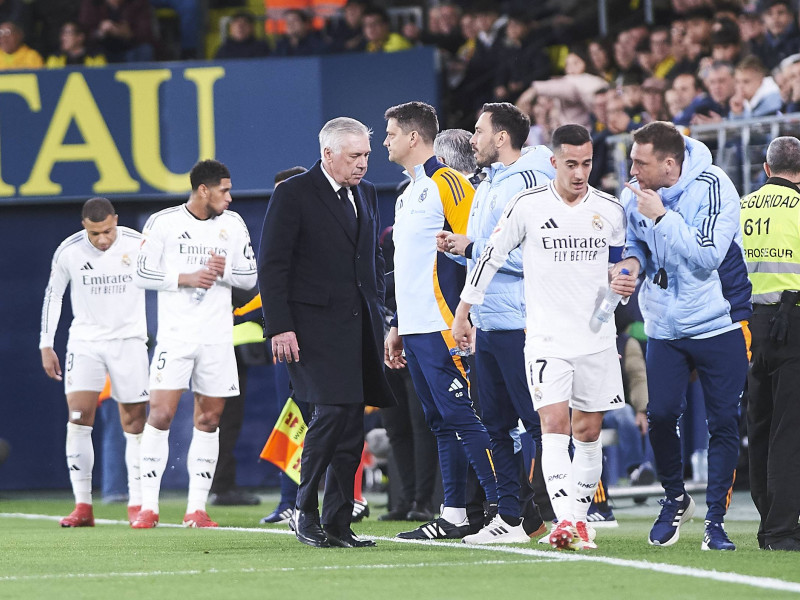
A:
(350, 214)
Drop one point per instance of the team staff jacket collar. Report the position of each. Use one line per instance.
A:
(429, 167)
(332, 202)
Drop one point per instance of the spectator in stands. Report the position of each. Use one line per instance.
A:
(691, 99)
(521, 60)
(698, 27)
(346, 33)
(575, 90)
(242, 41)
(752, 28)
(625, 53)
(120, 29)
(726, 41)
(601, 59)
(300, 38)
(721, 85)
(782, 37)
(47, 17)
(444, 28)
(189, 15)
(661, 50)
(618, 120)
(655, 108)
(545, 119)
(14, 11)
(378, 33)
(14, 53)
(630, 92)
(759, 91)
(687, 52)
(73, 49)
(644, 57)
(790, 71)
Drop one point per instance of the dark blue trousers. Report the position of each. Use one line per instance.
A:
(441, 384)
(505, 398)
(721, 364)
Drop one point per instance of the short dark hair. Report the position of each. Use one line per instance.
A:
(208, 172)
(572, 135)
(415, 116)
(286, 173)
(376, 11)
(97, 209)
(665, 138)
(507, 117)
(304, 16)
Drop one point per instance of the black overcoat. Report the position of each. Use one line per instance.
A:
(327, 286)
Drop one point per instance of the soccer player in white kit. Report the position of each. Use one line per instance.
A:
(108, 335)
(192, 254)
(569, 233)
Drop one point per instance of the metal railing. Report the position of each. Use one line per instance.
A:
(738, 146)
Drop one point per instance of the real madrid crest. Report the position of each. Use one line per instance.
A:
(597, 223)
(423, 195)
(223, 235)
(126, 260)
(493, 203)
(537, 393)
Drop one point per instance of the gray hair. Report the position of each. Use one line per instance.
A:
(783, 155)
(334, 131)
(453, 147)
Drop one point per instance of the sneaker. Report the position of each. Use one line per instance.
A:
(438, 529)
(586, 535)
(146, 519)
(674, 513)
(499, 532)
(715, 537)
(280, 515)
(644, 474)
(360, 510)
(133, 512)
(82, 516)
(198, 518)
(601, 518)
(785, 545)
(563, 536)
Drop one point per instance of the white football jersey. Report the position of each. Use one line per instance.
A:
(175, 242)
(106, 304)
(565, 257)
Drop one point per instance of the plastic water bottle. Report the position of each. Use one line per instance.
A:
(606, 309)
(198, 295)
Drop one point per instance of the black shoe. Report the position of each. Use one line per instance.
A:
(532, 521)
(235, 498)
(308, 530)
(787, 544)
(419, 512)
(400, 514)
(346, 539)
(435, 530)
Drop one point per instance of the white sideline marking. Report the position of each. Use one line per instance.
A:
(264, 570)
(768, 583)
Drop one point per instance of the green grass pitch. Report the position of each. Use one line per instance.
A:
(241, 560)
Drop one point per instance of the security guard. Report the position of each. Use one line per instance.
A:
(771, 226)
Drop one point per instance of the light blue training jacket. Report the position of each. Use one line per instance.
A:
(698, 243)
(503, 308)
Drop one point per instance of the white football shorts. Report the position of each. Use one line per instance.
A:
(590, 383)
(210, 369)
(125, 362)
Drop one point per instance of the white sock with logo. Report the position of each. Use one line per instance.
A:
(456, 516)
(133, 443)
(201, 464)
(153, 456)
(557, 471)
(587, 466)
(80, 461)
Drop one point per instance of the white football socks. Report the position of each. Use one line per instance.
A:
(80, 461)
(557, 471)
(133, 443)
(456, 516)
(153, 456)
(587, 466)
(201, 463)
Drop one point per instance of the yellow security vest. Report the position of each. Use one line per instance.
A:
(770, 220)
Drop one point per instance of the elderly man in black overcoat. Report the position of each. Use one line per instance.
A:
(321, 275)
